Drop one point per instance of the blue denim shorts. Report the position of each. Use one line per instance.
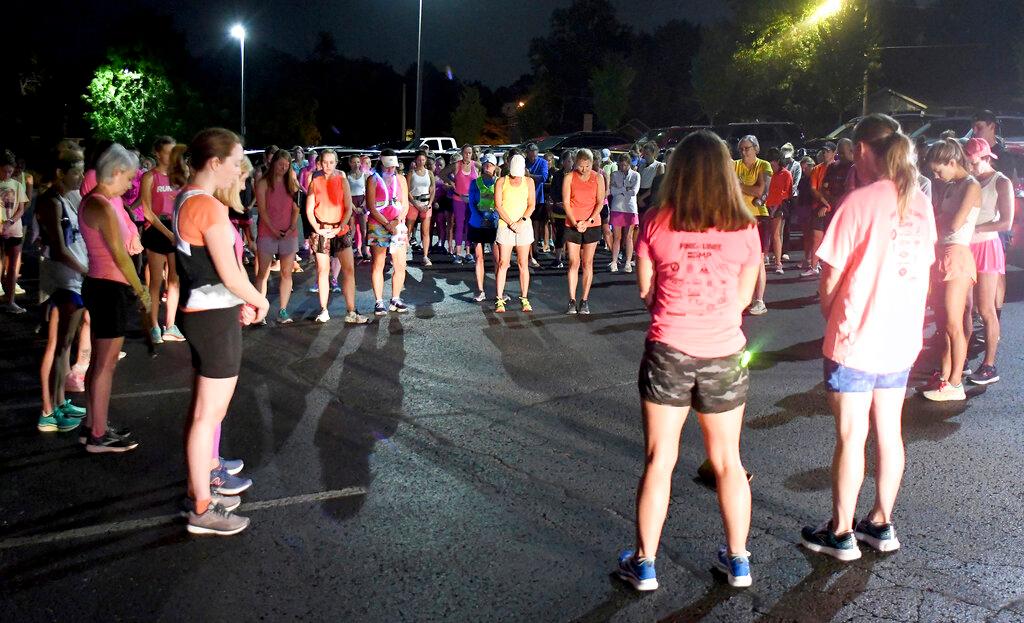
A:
(842, 380)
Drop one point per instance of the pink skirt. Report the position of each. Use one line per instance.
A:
(623, 219)
(989, 256)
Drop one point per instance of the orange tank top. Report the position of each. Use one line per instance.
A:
(584, 198)
(329, 205)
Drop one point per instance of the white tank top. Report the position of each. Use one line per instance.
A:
(989, 207)
(420, 184)
(357, 184)
(952, 198)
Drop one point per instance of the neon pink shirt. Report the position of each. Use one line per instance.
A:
(101, 260)
(463, 180)
(132, 195)
(877, 315)
(696, 306)
(89, 183)
(163, 195)
(279, 211)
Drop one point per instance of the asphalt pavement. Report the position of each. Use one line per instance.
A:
(453, 464)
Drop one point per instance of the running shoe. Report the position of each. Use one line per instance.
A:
(109, 443)
(945, 392)
(824, 541)
(534, 263)
(225, 484)
(480, 298)
(427, 263)
(231, 466)
(18, 289)
(571, 310)
(525, 302)
(115, 431)
(57, 421)
(506, 298)
(811, 272)
(933, 382)
(469, 259)
(380, 308)
(779, 270)
(12, 308)
(785, 257)
(638, 572)
(217, 520)
(613, 266)
(758, 308)
(283, 317)
(456, 260)
(172, 334)
(397, 305)
(736, 567)
(354, 317)
(229, 502)
(323, 316)
(155, 336)
(628, 267)
(584, 308)
(986, 374)
(881, 536)
(70, 410)
(335, 287)
(314, 289)
(499, 306)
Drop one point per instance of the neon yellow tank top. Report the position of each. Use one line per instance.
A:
(514, 198)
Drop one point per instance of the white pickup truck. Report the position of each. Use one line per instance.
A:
(438, 144)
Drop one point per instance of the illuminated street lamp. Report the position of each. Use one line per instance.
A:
(827, 9)
(238, 32)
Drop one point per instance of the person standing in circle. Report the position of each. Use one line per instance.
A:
(278, 228)
(583, 195)
(465, 173)
(483, 220)
(357, 186)
(556, 207)
(624, 185)
(875, 257)
(158, 193)
(217, 299)
(538, 171)
(755, 176)
(14, 201)
(514, 199)
(698, 259)
(387, 196)
(420, 181)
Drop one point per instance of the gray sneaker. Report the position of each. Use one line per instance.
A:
(216, 520)
(229, 502)
(223, 483)
(584, 308)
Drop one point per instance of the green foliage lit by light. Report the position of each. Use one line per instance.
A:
(610, 85)
(128, 100)
(469, 117)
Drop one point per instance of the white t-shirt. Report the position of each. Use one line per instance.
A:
(57, 275)
(648, 173)
(12, 194)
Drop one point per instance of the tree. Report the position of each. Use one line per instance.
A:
(469, 117)
(129, 101)
(610, 85)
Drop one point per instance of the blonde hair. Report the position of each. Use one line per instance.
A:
(232, 197)
(701, 189)
(882, 135)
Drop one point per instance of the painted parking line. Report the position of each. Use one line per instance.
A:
(153, 522)
(154, 392)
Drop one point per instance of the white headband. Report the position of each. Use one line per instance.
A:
(389, 161)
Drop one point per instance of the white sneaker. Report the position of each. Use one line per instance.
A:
(628, 267)
(811, 272)
(758, 308)
(779, 270)
(785, 257)
(479, 298)
(12, 308)
(946, 392)
(323, 317)
(613, 267)
(18, 289)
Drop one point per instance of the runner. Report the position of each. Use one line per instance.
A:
(514, 199)
(624, 186)
(217, 300)
(606, 228)
(278, 233)
(158, 193)
(387, 197)
(483, 220)
(421, 200)
(330, 210)
(755, 177)
(556, 212)
(443, 206)
(814, 226)
(13, 202)
(62, 265)
(583, 193)
(357, 186)
(465, 172)
(107, 291)
(996, 216)
(958, 203)
(538, 171)
(780, 193)
(649, 168)
(796, 170)
(876, 257)
(694, 350)
(241, 211)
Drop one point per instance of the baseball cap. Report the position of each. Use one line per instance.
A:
(532, 147)
(978, 148)
(606, 154)
(987, 116)
(829, 145)
(488, 159)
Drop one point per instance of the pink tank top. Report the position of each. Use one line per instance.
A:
(101, 260)
(89, 183)
(279, 211)
(463, 180)
(163, 195)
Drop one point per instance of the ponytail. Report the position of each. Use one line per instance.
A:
(894, 152)
(178, 171)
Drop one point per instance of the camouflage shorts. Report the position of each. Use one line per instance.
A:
(673, 378)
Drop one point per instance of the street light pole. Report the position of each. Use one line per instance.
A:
(419, 72)
(238, 32)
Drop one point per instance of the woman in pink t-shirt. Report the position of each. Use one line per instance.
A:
(875, 257)
(699, 257)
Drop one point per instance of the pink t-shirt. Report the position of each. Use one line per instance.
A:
(696, 275)
(279, 207)
(877, 315)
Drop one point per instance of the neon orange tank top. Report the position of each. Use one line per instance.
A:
(584, 198)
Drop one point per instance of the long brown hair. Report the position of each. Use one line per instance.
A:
(893, 149)
(178, 171)
(701, 187)
(944, 150)
(290, 183)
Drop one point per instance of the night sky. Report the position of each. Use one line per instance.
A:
(483, 40)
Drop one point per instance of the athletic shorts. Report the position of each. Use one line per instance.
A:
(417, 214)
(12, 243)
(507, 237)
(604, 214)
(780, 211)
(215, 339)
(269, 244)
(590, 235)
(842, 380)
(359, 204)
(482, 235)
(62, 296)
(331, 246)
(956, 262)
(540, 213)
(623, 219)
(444, 204)
(153, 240)
(989, 256)
(764, 232)
(671, 377)
(820, 223)
(108, 303)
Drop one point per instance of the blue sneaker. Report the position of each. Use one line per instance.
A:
(735, 567)
(70, 410)
(231, 466)
(223, 483)
(824, 541)
(639, 573)
(57, 421)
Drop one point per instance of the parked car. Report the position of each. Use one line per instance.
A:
(590, 140)
(669, 136)
(768, 133)
(934, 129)
(910, 122)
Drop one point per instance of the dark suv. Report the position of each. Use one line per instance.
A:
(768, 133)
(590, 140)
